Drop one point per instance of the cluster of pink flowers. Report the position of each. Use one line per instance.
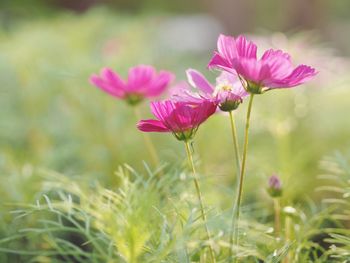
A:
(242, 74)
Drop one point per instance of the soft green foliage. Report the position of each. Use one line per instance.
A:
(152, 218)
(337, 176)
(86, 212)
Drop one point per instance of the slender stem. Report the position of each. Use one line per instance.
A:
(241, 178)
(288, 230)
(277, 209)
(237, 166)
(148, 142)
(199, 195)
(235, 142)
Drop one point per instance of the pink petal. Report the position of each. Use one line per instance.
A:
(178, 88)
(245, 48)
(217, 61)
(182, 93)
(227, 77)
(279, 63)
(159, 84)
(253, 70)
(300, 75)
(197, 80)
(152, 126)
(161, 110)
(239, 90)
(113, 78)
(205, 110)
(227, 47)
(140, 77)
(105, 86)
(229, 50)
(233, 80)
(273, 53)
(178, 116)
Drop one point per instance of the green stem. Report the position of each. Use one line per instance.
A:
(148, 142)
(237, 160)
(199, 195)
(277, 209)
(241, 178)
(235, 141)
(288, 231)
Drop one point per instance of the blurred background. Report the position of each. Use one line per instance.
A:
(51, 117)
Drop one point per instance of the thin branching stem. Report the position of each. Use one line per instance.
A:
(199, 195)
(242, 173)
(237, 167)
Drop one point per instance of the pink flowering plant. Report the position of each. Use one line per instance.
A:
(142, 82)
(242, 75)
(228, 91)
(182, 119)
(274, 70)
(156, 215)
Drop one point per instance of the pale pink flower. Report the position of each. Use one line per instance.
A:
(179, 117)
(143, 82)
(228, 91)
(273, 70)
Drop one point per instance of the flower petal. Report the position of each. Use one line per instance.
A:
(197, 80)
(245, 48)
(273, 53)
(161, 110)
(159, 83)
(182, 93)
(112, 78)
(226, 77)
(279, 63)
(227, 47)
(139, 78)
(152, 126)
(106, 87)
(300, 75)
(217, 61)
(252, 70)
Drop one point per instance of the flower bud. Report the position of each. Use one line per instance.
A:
(229, 105)
(274, 186)
(228, 101)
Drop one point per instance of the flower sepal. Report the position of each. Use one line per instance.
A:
(255, 88)
(185, 135)
(133, 99)
(229, 105)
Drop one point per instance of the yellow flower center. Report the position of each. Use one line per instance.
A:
(222, 87)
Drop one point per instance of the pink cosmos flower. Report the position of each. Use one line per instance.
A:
(179, 117)
(273, 70)
(143, 82)
(228, 92)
